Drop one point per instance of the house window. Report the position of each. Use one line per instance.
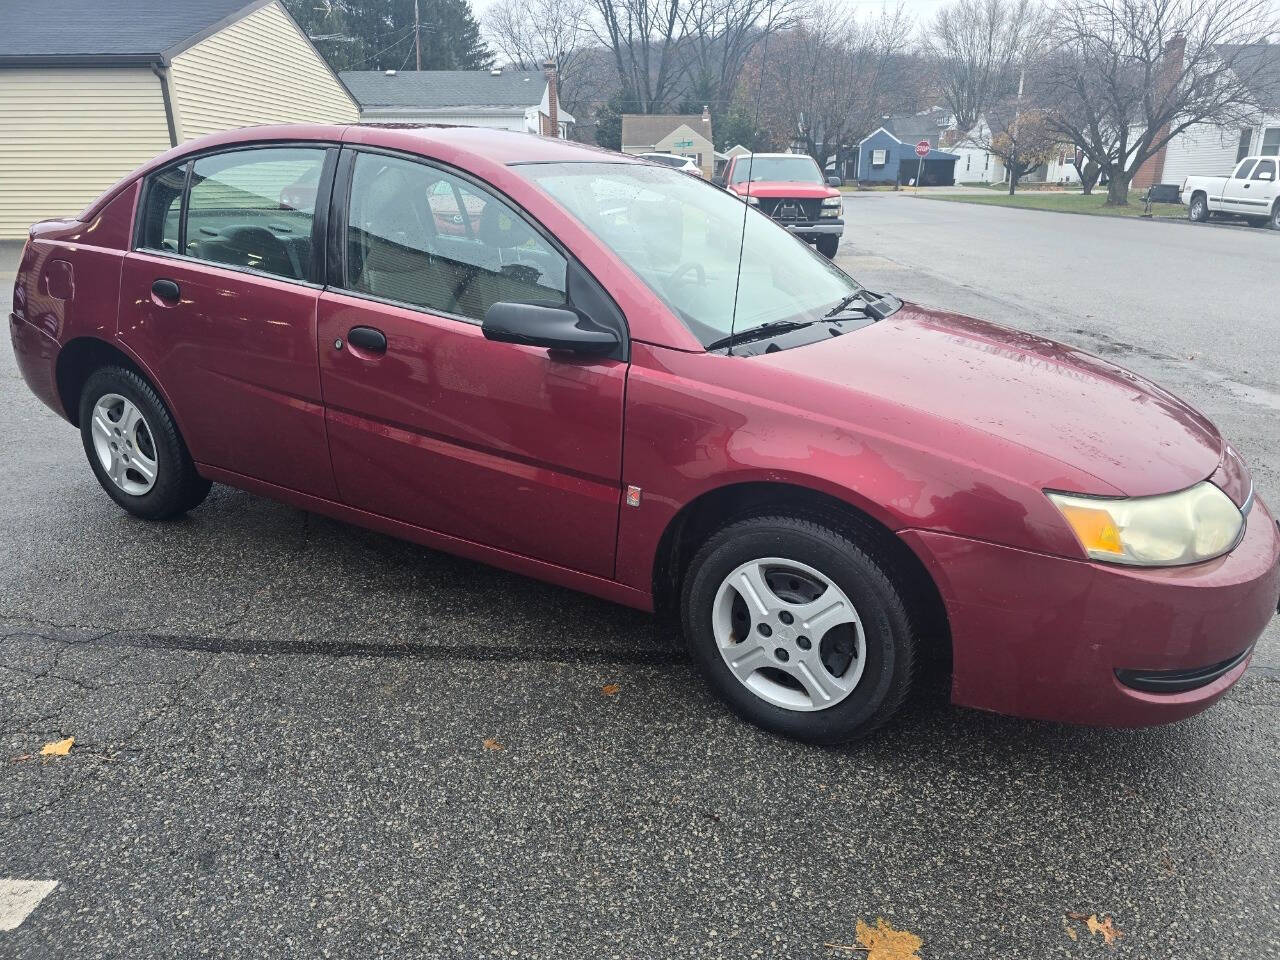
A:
(986, 161)
(1246, 141)
(878, 157)
(1271, 142)
(967, 158)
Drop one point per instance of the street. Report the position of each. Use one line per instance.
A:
(296, 738)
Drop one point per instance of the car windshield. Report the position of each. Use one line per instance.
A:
(797, 169)
(683, 238)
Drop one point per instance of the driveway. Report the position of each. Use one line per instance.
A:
(294, 738)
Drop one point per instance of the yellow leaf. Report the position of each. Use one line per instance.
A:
(609, 689)
(882, 942)
(59, 748)
(492, 744)
(1109, 933)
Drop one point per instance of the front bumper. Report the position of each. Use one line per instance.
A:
(815, 228)
(1058, 639)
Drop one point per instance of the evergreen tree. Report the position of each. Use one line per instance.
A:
(378, 34)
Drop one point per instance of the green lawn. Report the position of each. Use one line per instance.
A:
(1065, 203)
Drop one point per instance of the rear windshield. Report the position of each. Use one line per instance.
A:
(797, 169)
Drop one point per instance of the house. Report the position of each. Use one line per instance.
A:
(525, 101)
(686, 135)
(888, 154)
(977, 164)
(1211, 149)
(89, 90)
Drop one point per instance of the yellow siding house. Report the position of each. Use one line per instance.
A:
(90, 89)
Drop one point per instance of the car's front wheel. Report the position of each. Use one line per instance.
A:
(802, 629)
(1274, 220)
(828, 245)
(134, 447)
(1199, 209)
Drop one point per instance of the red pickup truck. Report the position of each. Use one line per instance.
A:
(790, 188)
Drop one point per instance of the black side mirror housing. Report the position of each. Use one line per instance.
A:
(556, 328)
(834, 182)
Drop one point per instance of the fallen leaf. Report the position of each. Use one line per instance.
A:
(882, 942)
(609, 689)
(1109, 933)
(59, 748)
(22, 759)
(1071, 931)
(492, 744)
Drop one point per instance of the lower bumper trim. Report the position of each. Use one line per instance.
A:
(1178, 681)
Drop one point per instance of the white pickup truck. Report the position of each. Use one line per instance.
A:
(1252, 192)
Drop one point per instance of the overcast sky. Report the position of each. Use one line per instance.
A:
(919, 9)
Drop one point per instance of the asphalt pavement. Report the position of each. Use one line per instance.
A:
(295, 738)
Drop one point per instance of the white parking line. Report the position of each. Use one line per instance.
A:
(19, 897)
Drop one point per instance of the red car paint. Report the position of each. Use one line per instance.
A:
(945, 429)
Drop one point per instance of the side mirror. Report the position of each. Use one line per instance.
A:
(834, 182)
(555, 328)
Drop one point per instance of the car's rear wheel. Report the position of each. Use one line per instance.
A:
(134, 447)
(1199, 209)
(800, 628)
(828, 245)
(1275, 216)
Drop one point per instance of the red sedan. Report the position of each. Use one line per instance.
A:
(623, 380)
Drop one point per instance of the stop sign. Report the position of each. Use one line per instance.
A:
(922, 149)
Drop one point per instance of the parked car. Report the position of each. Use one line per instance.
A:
(683, 164)
(623, 381)
(790, 188)
(1252, 191)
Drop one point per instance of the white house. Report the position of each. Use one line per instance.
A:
(89, 90)
(522, 100)
(1211, 149)
(977, 164)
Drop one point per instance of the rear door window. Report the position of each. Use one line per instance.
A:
(162, 210)
(1243, 171)
(254, 209)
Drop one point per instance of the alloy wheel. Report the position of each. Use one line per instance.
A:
(124, 444)
(789, 634)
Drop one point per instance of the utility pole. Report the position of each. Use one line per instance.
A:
(417, 35)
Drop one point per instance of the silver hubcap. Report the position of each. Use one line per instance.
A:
(124, 445)
(789, 634)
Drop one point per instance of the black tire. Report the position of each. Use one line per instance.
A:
(828, 245)
(857, 566)
(1198, 211)
(1274, 219)
(177, 487)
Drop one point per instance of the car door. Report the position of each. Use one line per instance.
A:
(431, 424)
(1235, 193)
(224, 312)
(1262, 187)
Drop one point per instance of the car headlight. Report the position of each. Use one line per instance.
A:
(831, 202)
(1196, 524)
(752, 201)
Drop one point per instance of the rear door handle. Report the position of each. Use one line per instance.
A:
(166, 290)
(367, 338)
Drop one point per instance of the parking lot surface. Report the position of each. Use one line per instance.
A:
(298, 738)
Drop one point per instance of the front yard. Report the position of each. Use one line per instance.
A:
(1063, 202)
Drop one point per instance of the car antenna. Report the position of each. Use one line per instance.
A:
(746, 205)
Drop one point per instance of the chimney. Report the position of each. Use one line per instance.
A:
(553, 98)
(706, 114)
(1171, 62)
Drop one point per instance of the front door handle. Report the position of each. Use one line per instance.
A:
(166, 290)
(367, 338)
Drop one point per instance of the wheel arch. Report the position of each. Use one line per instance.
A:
(80, 357)
(713, 509)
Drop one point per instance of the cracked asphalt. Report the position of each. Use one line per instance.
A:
(280, 721)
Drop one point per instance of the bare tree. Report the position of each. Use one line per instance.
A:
(719, 36)
(1126, 76)
(977, 48)
(531, 33)
(827, 82)
(643, 36)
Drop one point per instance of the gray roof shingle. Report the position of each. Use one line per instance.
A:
(646, 129)
(441, 89)
(121, 30)
(1258, 66)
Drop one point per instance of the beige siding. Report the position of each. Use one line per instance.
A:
(258, 70)
(66, 134)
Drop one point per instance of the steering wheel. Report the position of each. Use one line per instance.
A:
(679, 276)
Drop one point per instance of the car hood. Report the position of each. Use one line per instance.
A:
(782, 188)
(1056, 401)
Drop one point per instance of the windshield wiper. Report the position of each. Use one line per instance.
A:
(756, 333)
(873, 305)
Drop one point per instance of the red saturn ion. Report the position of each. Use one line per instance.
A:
(577, 383)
